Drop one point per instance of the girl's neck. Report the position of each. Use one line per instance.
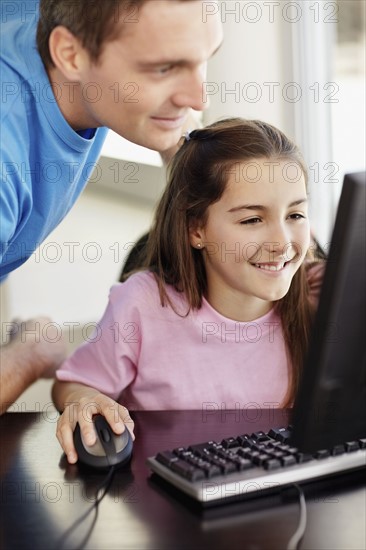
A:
(238, 307)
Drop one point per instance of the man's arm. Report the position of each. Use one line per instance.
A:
(17, 373)
(27, 357)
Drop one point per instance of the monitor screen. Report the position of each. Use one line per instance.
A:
(330, 406)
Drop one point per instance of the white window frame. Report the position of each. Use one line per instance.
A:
(312, 43)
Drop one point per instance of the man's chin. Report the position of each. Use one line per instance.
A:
(162, 141)
(166, 145)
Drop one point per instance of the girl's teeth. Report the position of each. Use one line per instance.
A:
(270, 267)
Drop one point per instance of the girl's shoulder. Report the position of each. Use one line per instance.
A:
(141, 290)
(134, 289)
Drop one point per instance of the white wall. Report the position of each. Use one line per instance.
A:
(69, 276)
(250, 75)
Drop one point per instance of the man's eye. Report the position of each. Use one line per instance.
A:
(165, 69)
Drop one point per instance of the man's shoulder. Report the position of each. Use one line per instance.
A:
(20, 62)
(18, 29)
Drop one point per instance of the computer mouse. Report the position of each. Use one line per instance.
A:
(109, 449)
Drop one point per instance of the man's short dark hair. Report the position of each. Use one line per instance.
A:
(93, 22)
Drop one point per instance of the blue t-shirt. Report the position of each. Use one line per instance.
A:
(44, 163)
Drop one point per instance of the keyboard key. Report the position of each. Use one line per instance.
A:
(185, 454)
(272, 464)
(251, 455)
(167, 458)
(245, 452)
(196, 449)
(279, 434)
(260, 447)
(303, 457)
(260, 436)
(338, 450)
(277, 454)
(362, 443)
(187, 470)
(322, 453)
(229, 442)
(352, 446)
(211, 470)
(274, 444)
(242, 463)
(260, 459)
(225, 466)
(245, 440)
(288, 460)
(196, 461)
(179, 450)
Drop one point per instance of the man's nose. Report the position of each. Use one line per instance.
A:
(191, 93)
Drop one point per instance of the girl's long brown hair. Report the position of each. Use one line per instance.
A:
(197, 178)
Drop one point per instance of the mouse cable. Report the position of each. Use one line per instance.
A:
(295, 540)
(104, 487)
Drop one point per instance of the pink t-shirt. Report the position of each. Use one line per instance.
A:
(147, 357)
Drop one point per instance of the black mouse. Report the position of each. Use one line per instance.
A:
(109, 449)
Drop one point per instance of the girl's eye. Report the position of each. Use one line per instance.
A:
(251, 221)
(296, 216)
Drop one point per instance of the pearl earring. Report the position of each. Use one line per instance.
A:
(199, 245)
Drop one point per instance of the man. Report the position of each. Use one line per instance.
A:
(134, 66)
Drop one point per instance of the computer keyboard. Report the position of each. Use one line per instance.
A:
(247, 464)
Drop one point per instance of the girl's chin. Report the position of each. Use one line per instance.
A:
(276, 295)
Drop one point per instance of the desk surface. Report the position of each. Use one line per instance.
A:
(41, 495)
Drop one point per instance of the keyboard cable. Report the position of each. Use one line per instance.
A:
(295, 540)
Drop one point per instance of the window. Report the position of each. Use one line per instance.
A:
(329, 62)
(348, 115)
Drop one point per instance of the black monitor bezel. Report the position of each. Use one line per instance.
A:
(330, 406)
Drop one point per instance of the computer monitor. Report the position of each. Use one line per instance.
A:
(330, 407)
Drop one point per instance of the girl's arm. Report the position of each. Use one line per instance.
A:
(79, 403)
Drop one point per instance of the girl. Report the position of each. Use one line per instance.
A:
(220, 316)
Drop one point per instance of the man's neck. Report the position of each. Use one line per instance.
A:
(69, 99)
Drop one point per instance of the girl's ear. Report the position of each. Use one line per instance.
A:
(196, 236)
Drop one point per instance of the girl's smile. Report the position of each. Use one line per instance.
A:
(271, 267)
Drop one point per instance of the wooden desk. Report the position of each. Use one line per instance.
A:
(41, 495)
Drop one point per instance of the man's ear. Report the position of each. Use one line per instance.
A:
(67, 53)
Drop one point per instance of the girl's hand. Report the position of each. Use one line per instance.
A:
(83, 404)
